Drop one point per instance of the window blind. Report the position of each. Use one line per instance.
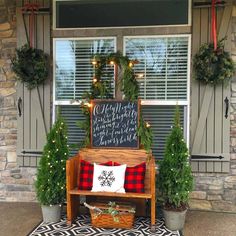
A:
(73, 68)
(161, 119)
(71, 114)
(163, 62)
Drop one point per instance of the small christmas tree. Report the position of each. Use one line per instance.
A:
(51, 176)
(175, 179)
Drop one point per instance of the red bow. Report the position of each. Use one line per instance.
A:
(213, 22)
(32, 7)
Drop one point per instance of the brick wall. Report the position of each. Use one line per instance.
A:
(15, 184)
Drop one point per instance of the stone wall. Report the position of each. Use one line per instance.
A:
(218, 191)
(15, 183)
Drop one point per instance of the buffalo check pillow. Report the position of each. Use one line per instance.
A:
(109, 178)
(134, 178)
(86, 174)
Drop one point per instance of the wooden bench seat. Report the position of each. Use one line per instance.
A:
(130, 157)
(108, 194)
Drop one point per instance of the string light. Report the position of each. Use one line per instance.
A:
(148, 125)
(131, 64)
(94, 62)
(111, 62)
(53, 141)
(95, 80)
(140, 75)
(88, 104)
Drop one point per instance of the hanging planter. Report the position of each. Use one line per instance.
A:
(31, 66)
(213, 66)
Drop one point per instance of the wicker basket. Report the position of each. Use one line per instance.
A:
(125, 218)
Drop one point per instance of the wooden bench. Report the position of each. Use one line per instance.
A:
(130, 157)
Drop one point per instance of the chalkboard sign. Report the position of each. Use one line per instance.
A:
(114, 124)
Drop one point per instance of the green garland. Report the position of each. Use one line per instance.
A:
(31, 66)
(213, 66)
(101, 89)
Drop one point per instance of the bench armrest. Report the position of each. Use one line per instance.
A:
(153, 176)
(72, 167)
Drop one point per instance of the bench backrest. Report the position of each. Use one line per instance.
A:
(131, 157)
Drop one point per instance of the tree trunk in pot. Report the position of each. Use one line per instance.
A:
(174, 220)
(51, 213)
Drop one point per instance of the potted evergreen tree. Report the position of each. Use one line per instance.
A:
(175, 179)
(51, 175)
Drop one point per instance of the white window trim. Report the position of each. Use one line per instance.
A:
(69, 102)
(185, 103)
(117, 27)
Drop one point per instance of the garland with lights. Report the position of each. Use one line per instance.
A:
(101, 89)
(50, 184)
(213, 66)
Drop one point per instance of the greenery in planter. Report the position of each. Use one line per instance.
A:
(51, 175)
(175, 179)
(31, 66)
(213, 66)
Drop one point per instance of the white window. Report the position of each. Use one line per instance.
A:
(163, 75)
(73, 75)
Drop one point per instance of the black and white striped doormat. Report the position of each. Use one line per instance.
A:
(83, 227)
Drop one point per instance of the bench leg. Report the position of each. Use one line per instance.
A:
(72, 208)
(153, 214)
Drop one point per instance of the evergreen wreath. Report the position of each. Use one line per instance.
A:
(30, 65)
(213, 66)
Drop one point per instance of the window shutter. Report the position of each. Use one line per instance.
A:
(34, 122)
(210, 129)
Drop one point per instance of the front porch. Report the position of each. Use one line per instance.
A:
(28, 216)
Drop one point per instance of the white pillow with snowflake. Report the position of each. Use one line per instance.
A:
(108, 178)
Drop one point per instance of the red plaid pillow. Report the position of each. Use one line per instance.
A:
(134, 178)
(86, 174)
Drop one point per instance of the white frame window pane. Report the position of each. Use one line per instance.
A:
(73, 71)
(163, 62)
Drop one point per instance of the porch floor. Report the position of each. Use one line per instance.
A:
(18, 219)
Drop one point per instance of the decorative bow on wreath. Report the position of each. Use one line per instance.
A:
(33, 8)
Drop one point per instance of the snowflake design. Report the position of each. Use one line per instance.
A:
(106, 178)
